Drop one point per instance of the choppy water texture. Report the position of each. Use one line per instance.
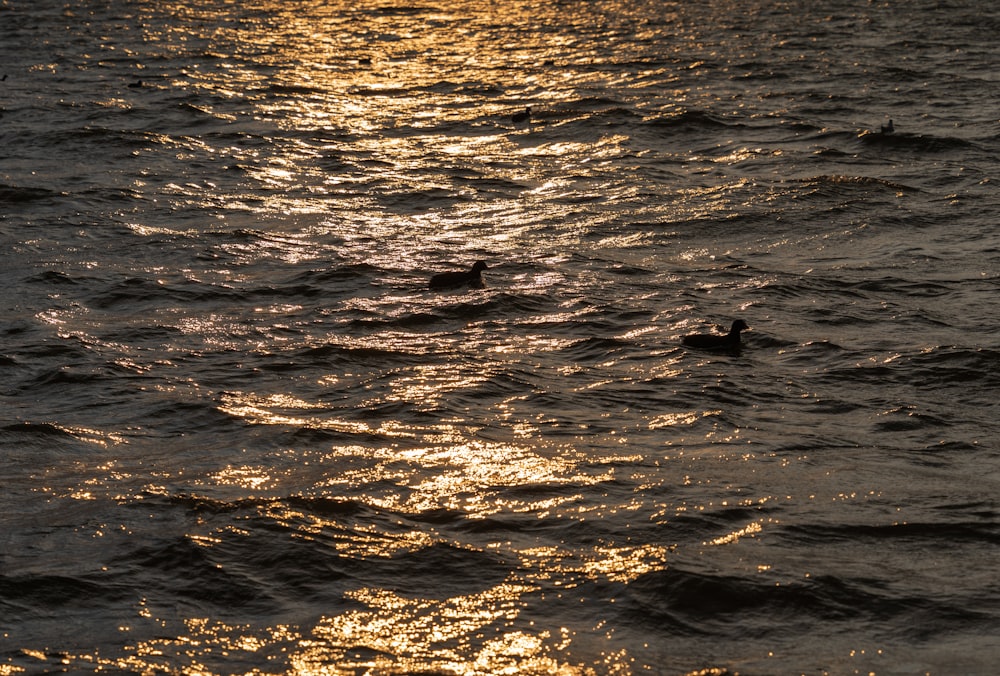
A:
(239, 435)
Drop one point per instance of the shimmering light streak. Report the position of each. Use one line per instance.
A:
(250, 478)
(471, 477)
(613, 563)
(748, 531)
(472, 634)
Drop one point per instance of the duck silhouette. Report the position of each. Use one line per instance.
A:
(888, 128)
(522, 117)
(450, 280)
(708, 341)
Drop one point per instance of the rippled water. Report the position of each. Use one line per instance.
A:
(239, 435)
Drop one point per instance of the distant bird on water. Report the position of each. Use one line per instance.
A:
(707, 341)
(451, 280)
(888, 128)
(522, 117)
(138, 84)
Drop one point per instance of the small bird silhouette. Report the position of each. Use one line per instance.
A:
(522, 117)
(707, 341)
(450, 280)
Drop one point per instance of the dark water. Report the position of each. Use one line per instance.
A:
(239, 435)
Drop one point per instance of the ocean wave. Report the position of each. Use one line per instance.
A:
(243, 435)
(840, 181)
(13, 194)
(23, 432)
(593, 349)
(444, 570)
(31, 592)
(692, 119)
(916, 533)
(182, 568)
(57, 278)
(64, 376)
(920, 143)
(946, 367)
(703, 603)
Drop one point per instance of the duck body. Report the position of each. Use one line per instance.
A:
(522, 117)
(707, 341)
(451, 280)
(888, 128)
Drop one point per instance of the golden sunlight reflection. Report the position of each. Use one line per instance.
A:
(92, 436)
(665, 420)
(261, 411)
(432, 381)
(470, 477)
(473, 634)
(205, 638)
(749, 530)
(615, 564)
(350, 539)
(532, 344)
(624, 564)
(251, 478)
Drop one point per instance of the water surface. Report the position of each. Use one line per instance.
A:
(240, 435)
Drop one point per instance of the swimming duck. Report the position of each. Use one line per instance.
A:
(708, 341)
(448, 280)
(522, 117)
(888, 128)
